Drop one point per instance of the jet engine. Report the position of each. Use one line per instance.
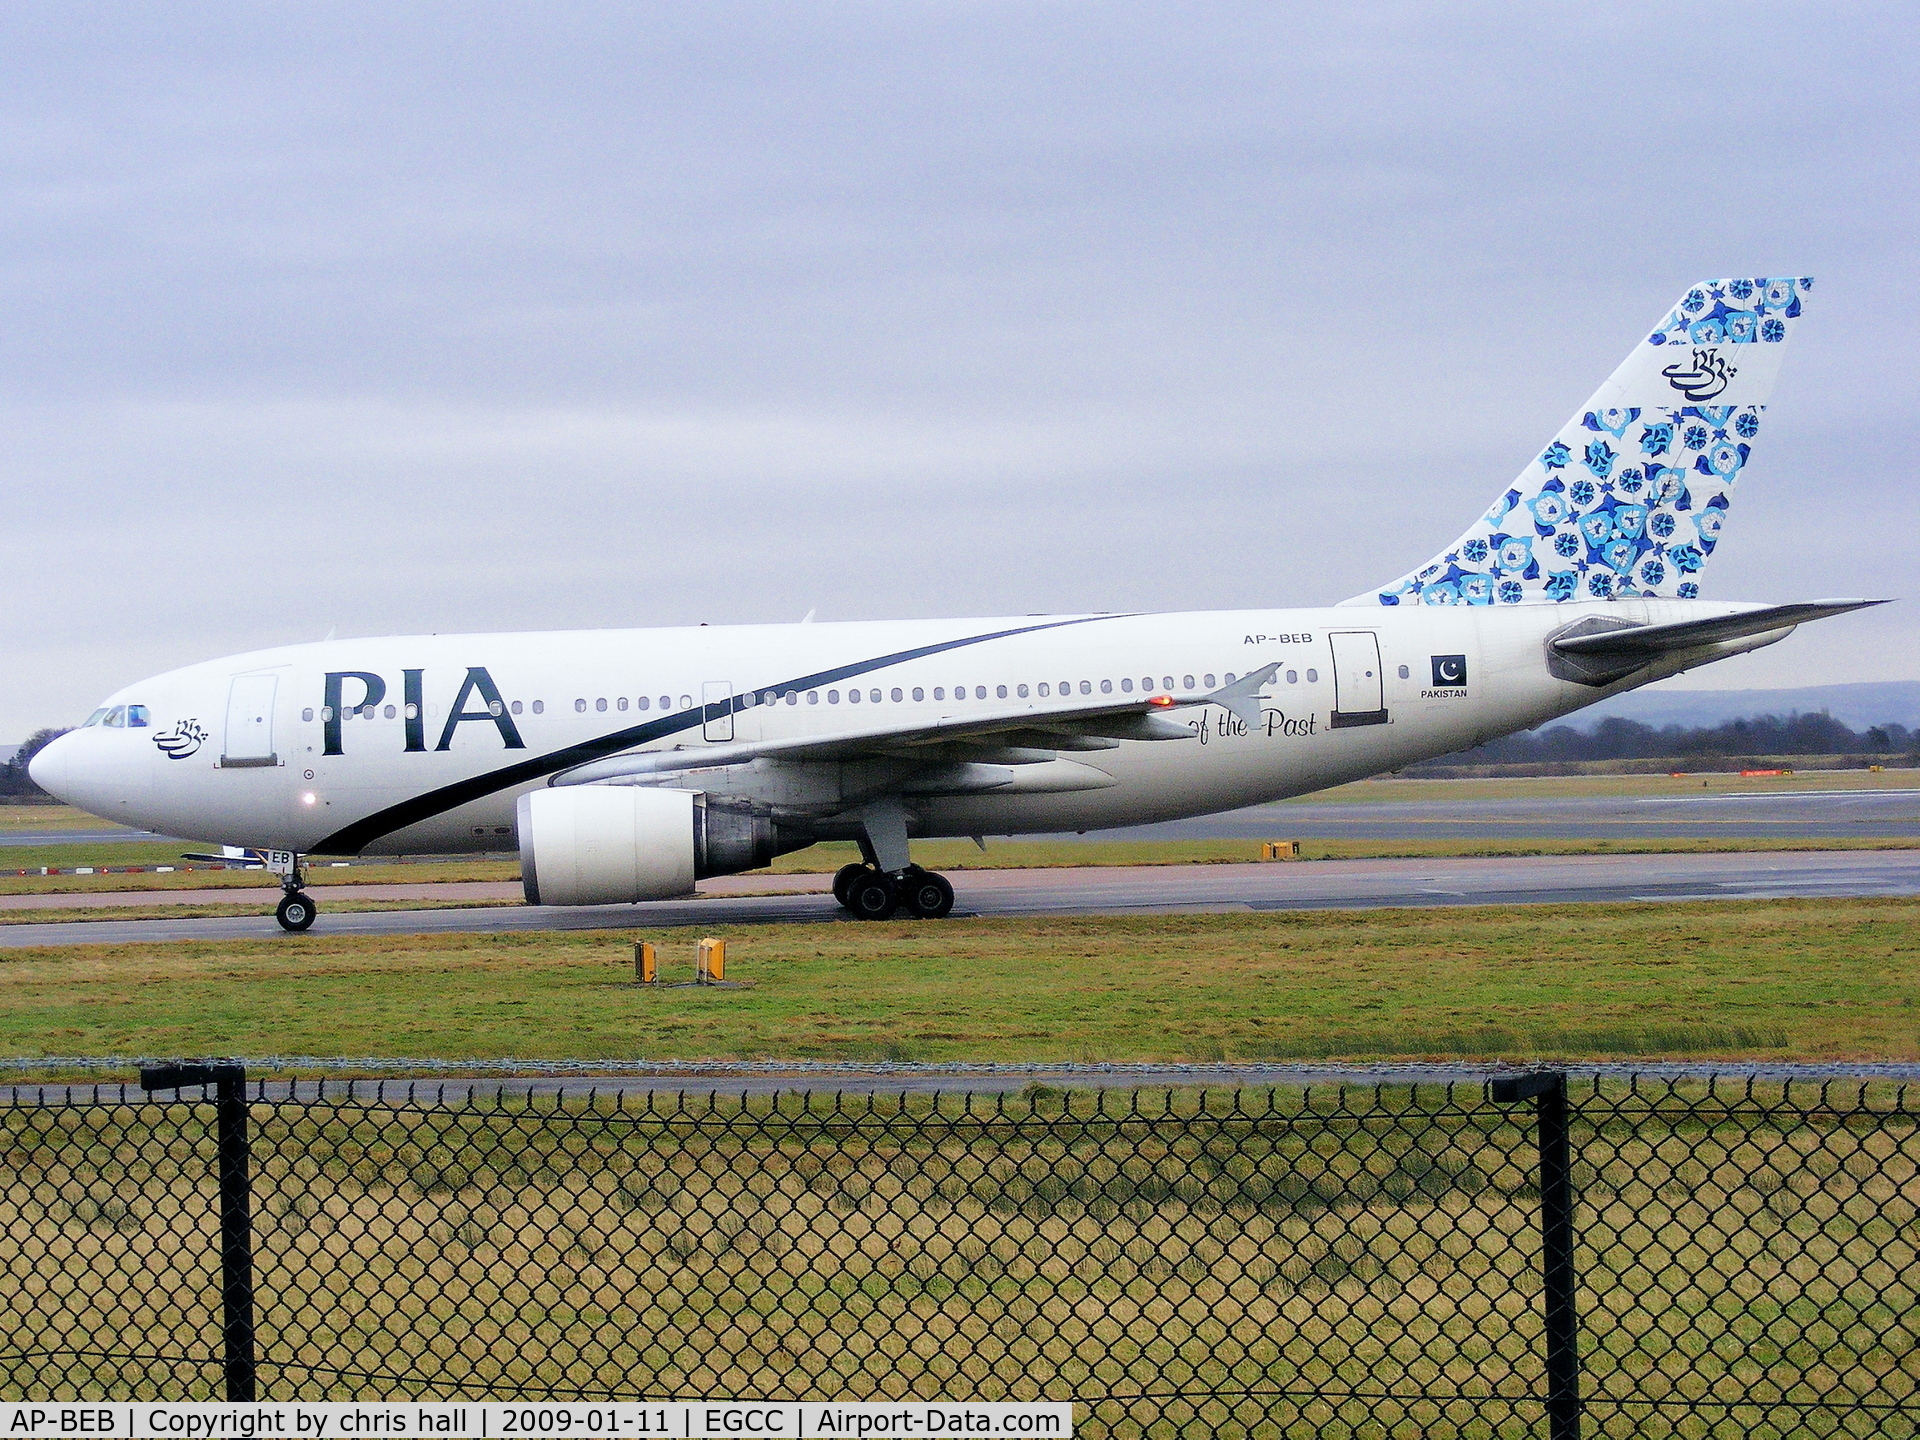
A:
(615, 844)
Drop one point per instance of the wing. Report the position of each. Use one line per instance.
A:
(1028, 734)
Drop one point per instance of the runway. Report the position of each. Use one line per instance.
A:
(1119, 890)
(1892, 812)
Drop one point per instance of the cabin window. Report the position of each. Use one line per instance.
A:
(686, 702)
(494, 708)
(1045, 690)
(307, 714)
(918, 693)
(1126, 684)
(1404, 673)
(1086, 687)
(621, 703)
(1229, 677)
(644, 702)
(898, 695)
(1293, 677)
(326, 713)
(1207, 680)
(979, 692)
(853, 696)
(1022, 692)
(813, 697)
(412, 711)
(874, 696)
(939, 692)
(1000, 691)
(580, 706)
(1106, 687)
(833, 697)
(1313, 677)
(1167, 683)
(1146, 683)
(601, 703)
(793, 697)
(1186, 682)
(391, 712)
(539, 707)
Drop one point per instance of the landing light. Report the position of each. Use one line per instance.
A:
(309, 798)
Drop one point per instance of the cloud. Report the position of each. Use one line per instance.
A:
(406, 318)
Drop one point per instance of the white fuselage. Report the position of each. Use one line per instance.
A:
(238, 750)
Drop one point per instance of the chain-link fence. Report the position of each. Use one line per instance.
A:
(1684, 1258)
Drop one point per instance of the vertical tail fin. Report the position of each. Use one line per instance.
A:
(1629, 498)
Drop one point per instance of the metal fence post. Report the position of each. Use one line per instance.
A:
(236, 1209)
(1548, 1090)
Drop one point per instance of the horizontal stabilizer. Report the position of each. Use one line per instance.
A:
(1647, 641)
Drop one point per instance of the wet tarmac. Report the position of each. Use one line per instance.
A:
(1115, 890)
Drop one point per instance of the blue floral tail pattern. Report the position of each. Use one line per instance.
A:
(1629, 499)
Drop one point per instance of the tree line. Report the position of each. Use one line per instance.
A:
(14, 779)
(1613, 739)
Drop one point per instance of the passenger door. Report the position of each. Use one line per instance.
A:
(249, 737)
(1359, 695)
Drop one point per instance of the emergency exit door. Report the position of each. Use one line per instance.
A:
(1359, 692)
(716, 710)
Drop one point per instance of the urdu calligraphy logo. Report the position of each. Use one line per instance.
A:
(1704, 379)
(178, 743)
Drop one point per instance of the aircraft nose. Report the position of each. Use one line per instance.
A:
(48, 768)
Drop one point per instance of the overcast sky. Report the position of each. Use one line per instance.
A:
(397, 318)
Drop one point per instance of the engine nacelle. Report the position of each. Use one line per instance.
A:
(615, 844)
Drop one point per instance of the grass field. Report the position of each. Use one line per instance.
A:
(1780, 979)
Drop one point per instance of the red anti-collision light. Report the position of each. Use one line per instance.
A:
(1163, 701)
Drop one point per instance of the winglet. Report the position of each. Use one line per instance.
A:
(1241, 699)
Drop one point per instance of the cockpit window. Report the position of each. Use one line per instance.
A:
(137, 717)
(116, 718)
(99, 717)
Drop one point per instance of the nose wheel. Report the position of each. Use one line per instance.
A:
(295, 911)
(870, 894)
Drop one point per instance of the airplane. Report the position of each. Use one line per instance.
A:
(625, 765)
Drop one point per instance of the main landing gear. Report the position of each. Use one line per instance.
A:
(869, 893)
(296, 909)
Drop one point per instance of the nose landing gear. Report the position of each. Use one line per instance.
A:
(296, 909)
